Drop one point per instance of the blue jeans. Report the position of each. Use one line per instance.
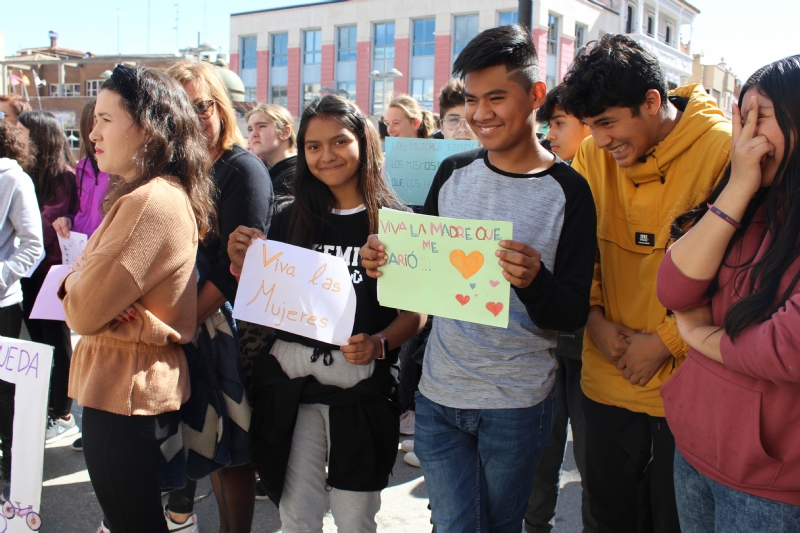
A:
(479, 464)
(705, 506)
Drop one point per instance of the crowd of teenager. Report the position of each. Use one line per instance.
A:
(655, 302)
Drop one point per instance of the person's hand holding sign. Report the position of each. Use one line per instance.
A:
(521, 264)
(373, 255)
(238, 243)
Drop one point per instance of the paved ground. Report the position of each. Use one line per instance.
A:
(69, 505)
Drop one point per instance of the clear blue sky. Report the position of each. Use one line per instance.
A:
(747, 34)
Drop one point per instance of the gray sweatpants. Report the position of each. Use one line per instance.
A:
(305, 498)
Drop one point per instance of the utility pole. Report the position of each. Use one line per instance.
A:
(176, 26)
(525, 14)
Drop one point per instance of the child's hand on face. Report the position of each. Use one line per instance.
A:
(238, 243)
(521, 264)
(373, 255)
(747, 150)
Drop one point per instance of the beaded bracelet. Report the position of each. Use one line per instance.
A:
(724, 216)
(234, 274)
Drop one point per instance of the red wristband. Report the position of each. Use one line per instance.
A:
(724, 216)
(234, 274)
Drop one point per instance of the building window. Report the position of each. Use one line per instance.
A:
(552, 35)
(93, 87)
(310, 93)
(668, 38)
(347, 89)
(279, 96)
(504, 18)
(312, 41)
(424, 41)
(73, 136)
(248, 48)
(629, 20)
(384, 40)
(466, 28)
(250, 94)
(580, 36)
(422, 91)
(280, 49)
(347, 44)
(68, 89)
(650, 25)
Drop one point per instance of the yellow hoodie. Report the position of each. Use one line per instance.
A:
(635, 208)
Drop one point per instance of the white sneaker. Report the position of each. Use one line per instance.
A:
(190, 526)
(103, 528)
(411, 458)
(407, 446)
(407, 423)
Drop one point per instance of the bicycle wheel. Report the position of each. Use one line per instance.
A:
(9, 509)
(33, 521)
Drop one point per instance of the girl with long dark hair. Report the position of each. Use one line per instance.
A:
(20, 246)
(133, 296)
(92, 184)
(733, 281)
(52, 169)
(339, 190)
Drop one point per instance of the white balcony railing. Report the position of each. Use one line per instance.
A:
(676, 64)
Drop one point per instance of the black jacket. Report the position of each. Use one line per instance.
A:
(282, 175)
(364, 425)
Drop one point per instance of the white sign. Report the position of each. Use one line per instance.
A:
(47, 305)
(297, 290)
(26, 364)
(72, 247)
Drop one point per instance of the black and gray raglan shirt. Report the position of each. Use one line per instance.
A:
(473, 366)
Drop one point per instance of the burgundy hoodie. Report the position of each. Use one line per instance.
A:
(739, 423)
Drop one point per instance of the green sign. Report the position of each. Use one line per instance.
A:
(411, 164)
(444, 267)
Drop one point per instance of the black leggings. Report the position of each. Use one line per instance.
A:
(122, 456)
(56, 334)
(10, 324)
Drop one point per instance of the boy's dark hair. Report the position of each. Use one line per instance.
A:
(545, 113)
(615, 71)
(510, 45)
(452, 95)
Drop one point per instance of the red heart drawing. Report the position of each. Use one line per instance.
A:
(463, 300)
(494, 307)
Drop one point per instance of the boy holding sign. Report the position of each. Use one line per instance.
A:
(485, 402)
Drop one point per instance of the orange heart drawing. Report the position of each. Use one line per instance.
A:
(463, 300)
(468, 265)
(494, 307)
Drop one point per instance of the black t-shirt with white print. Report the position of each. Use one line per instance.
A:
(343, 237)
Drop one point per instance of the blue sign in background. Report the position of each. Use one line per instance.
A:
(411, 164)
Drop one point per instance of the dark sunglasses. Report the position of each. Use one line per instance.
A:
(204, 109)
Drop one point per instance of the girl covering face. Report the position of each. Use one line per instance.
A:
(733, 281)
(339, 190)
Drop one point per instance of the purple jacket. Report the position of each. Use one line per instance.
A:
(92, 189)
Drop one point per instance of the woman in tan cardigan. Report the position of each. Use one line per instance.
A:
(134, 296)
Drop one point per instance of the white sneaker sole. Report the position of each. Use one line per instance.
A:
(74, 430)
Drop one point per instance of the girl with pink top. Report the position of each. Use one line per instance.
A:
(733, 282)
(92, 184)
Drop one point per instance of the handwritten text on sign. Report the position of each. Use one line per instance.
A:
(27, 365)
(411, 164)
(72, 247)
(297, 290)
(444, 267)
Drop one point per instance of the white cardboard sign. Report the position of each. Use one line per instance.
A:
(297, 290)
(47, 305)
(26, 364)
(72, 247)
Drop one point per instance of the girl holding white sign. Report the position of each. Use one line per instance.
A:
(345, 398)
(133, 297)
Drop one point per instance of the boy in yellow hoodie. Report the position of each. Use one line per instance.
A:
(653, 155)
